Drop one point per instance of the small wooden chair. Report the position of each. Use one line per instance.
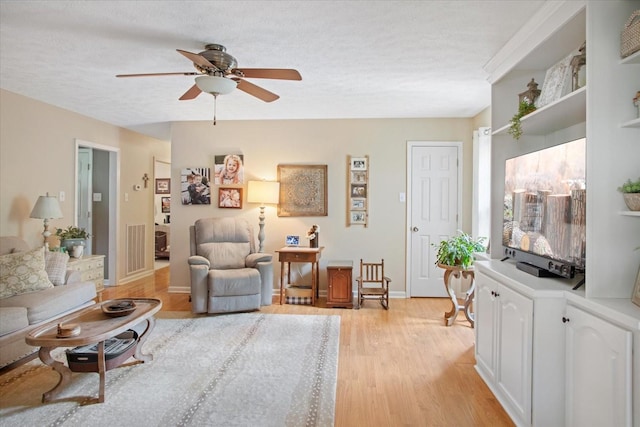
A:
(372, 283)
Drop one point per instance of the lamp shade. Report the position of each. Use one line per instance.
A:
(215, 85)
(46, 207)
(264, 192)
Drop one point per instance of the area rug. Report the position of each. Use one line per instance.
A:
(248, 369)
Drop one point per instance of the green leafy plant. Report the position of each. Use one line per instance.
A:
(630, 186)
(72, 232)
(458, 250)
(525, 107)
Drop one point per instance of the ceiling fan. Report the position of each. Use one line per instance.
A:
(218, 75)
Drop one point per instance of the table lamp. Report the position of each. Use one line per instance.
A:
(46, 207)
(263, 192)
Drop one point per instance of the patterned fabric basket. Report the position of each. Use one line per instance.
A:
(298, 300)
(630, 37)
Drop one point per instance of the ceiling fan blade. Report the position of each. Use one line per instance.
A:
(268, 73)
(198, 59)
(191, 93)
(256, 91)
(188, 73)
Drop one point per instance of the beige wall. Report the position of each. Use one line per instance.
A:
(37, 155)
(265, 144)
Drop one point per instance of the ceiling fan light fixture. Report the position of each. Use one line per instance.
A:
(215, 85)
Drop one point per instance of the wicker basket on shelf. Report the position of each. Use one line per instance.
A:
(630, 37)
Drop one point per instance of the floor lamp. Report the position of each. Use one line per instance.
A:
(263, 192)
(46, 207)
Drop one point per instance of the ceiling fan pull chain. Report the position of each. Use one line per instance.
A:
(215, 99)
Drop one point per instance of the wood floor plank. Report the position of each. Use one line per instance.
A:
(396, 367)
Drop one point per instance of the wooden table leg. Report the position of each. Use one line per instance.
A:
(281, 280)
(102, 368)
(469, 299)
(450, 316)
(65, 373)
(314, 285)
(138, 355)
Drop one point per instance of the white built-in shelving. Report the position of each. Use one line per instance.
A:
(563, 113)
(600, 112)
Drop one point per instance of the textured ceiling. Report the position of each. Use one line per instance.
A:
(358, 59)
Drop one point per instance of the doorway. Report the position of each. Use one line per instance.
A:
(96, 200)
(434, 187)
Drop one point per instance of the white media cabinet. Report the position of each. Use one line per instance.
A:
(555, 356)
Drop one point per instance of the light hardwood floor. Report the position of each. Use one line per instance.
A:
(400, 367)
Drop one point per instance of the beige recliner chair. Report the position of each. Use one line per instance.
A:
(227, 274)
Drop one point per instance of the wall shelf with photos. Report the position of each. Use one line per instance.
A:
(357, 190)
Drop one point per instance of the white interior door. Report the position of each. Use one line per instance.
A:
(434, 204)
(84, 188)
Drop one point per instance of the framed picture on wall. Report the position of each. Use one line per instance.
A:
(358, 163)
(195, 186)
(166, 204)
(163, 185)
(229, 169)
(303, 190)
(358, 190)
(230, 197)
(358, 204)
(358, 217)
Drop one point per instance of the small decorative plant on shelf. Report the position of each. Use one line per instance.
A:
(631, 192)
(458, 250)
(525, 107)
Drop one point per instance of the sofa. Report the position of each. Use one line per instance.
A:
(35, 288)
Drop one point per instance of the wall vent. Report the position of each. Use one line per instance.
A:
(135, 248)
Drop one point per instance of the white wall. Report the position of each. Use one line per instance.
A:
(265, 144)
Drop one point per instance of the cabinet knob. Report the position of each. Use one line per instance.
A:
(565, 319)
(415, 229)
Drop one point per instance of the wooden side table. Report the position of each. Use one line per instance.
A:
(457, 272)
(340, 284)
(287, 255)
(91, 268)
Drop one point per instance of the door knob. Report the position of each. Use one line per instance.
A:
(415, 229)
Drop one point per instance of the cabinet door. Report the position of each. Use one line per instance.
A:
(598, 367)
(339, 286)
(485, 324)
(515, 337)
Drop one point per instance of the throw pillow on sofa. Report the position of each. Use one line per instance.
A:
(23, 272)
(55, 264)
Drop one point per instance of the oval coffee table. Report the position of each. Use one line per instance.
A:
(95, 327)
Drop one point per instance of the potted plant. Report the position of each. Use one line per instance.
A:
(458, 251)
(525, 107)
(72, 236)
(631, 192)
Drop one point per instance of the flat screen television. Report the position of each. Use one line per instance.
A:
(545, 210)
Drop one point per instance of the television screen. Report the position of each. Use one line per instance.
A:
(544, 208)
